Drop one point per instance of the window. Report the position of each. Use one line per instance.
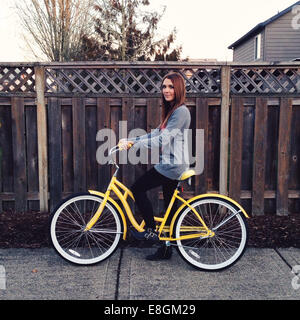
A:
(257, 53)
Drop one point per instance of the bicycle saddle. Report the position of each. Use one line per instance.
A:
(187, 174)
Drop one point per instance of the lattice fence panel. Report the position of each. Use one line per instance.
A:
(17, 79)
(127, 80)
(147, 80)
(265, 80)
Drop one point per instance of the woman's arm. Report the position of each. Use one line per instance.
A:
(128, 143)
(150, 135)
(175, 124)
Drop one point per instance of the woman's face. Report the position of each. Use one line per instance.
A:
(168, 90)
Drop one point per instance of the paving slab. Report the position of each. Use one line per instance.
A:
(30, 274)
(291, 256)
(40, 274)
(260, 275)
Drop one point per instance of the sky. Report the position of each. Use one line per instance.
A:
(205, 29)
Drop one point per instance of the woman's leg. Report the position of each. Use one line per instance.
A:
(168, 190)
(164, 252)
(151, 179)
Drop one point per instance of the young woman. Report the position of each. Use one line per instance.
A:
(168, 138)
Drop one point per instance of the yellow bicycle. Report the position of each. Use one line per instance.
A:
(209, 230)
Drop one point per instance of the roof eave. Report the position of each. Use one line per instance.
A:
(253, 32)
(261, 26)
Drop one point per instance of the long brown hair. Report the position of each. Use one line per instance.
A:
(179, 89)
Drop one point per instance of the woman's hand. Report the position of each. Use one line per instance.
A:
(124, 144)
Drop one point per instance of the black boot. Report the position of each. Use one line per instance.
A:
(163, 253)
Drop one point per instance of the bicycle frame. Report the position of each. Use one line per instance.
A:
(115, 185)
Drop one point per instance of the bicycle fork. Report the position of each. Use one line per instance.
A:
(99, 211)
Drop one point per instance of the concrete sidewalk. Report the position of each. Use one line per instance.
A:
(261, 274)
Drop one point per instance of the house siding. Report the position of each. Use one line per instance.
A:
(283, 42)
(246, 53)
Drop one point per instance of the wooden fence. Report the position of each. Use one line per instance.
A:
(50, 115)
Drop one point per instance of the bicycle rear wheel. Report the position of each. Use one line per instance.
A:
(85, 247)
(227, 243)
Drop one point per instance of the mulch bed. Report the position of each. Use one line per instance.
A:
(24, 230)
(31, 230)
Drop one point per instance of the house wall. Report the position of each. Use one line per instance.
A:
(283, 41)
(246, 51)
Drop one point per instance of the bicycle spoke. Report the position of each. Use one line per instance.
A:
(219, 248)
(69, 235)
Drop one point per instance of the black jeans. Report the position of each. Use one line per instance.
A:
(149, 180)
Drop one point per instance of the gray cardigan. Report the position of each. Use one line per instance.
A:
(173, 152)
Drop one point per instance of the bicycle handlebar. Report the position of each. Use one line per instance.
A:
(111, 152)
(115, 149)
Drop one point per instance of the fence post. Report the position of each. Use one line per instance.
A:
(224, 134)
(42, 137)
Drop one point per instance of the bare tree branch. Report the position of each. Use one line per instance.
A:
(56, 27)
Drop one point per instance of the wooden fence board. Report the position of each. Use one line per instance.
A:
(202, 123)
(79, 147)
(294, 181)
(247, 147)
(191, 105)
(294, 170)
(283, 155)
(259, 157)
(272, 149)
(91, 146)
(115, 118)
(140, 121)
(67, 148)
(214, 133)
(55, 151)
(7, 183)
(103, 122)
(128, 111)
(19, 153)
(236, 145)
(32, 154)
(153, 121)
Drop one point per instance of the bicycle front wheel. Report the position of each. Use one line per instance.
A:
(85, 247)
(227, 241)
